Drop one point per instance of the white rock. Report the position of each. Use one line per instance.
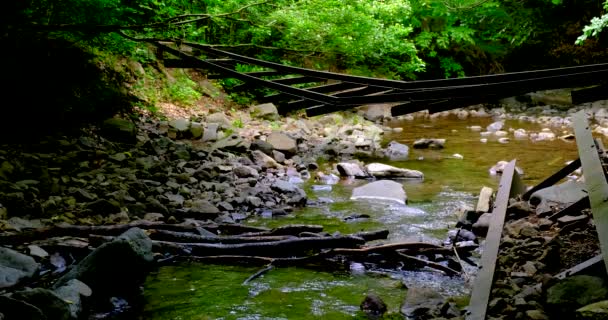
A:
(383, 170)
(520, 134)
(382, 190)
(503, 140)
(495, 126)
(483, 140)
(500, 133)
(485, 133)
(475, 128)
(457, 156)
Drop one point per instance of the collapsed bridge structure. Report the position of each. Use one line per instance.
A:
(321, 92)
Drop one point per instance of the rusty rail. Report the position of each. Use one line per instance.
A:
(509, 187)
(595, 178)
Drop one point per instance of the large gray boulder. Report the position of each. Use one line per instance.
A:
(351, 169)
(72, 292)
(396, 151)
(420, 303)
(385, 171)
(119, 130)
(429, 143)
(14, 267)
(266, 111)
(116, 267)
(559, 195)
(282, 142)
(381, 190)
(295, 194)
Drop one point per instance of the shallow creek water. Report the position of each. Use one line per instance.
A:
(195, 291)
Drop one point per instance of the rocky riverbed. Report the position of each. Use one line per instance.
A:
(206, 168)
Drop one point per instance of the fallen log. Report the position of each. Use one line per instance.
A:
(115, 230)
(417, 262)
(283, 248)
(372, 235)
(165, 235)
(288, 230)
(387, 248)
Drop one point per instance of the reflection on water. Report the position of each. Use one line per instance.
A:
(215, 292)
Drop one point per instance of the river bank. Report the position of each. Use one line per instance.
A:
(212, 169)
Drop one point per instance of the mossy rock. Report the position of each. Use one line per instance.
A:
(119, 130)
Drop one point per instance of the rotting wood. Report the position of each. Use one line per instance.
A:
(292, 229)
(510, 186)
(283, 248)
(165, 235)
(595, 178)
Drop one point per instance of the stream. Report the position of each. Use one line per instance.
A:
(197, 291)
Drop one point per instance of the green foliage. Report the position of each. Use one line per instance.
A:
(183, 90)
(238, 123)
(596, 26)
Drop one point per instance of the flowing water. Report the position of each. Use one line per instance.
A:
(196, 291)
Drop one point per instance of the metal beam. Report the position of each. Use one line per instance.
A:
(509, 187)
(397, 84)
(595, 178)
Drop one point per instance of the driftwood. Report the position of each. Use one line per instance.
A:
(115, 230)
(283, 248)
(416, 262)
(165, 235)
(293, 230)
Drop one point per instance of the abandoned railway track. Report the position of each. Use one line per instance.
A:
(326, 92)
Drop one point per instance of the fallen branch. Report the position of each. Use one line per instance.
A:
(61, 230)
(258, 274)
(172, 236)
(420, 262)
(292, 229)
(387, 248)
(283, 248)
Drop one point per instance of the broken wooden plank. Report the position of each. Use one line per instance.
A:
(510, 186)
(595, 178)
(583, 267)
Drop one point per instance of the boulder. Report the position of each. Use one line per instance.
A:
(385, 171)
(429, 144)
(485, 200)
(495, 126)
(180, 125)
(382, 190)
(263, 160)
(282, 142)
(14, 267)
(295, 194)
(203, 208)
(210, 132)
(558, 196)
(481, 226)
(351, 169)
(119, 130)
(245, 172)
(196, 130)
(266, 111)
(396, 151)
(377, 112)
(116, 267)
(573, 293)
(219, 118)
(262, 146)
(373, 306)
(420, 303)
(51, 305)
(500, 166)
